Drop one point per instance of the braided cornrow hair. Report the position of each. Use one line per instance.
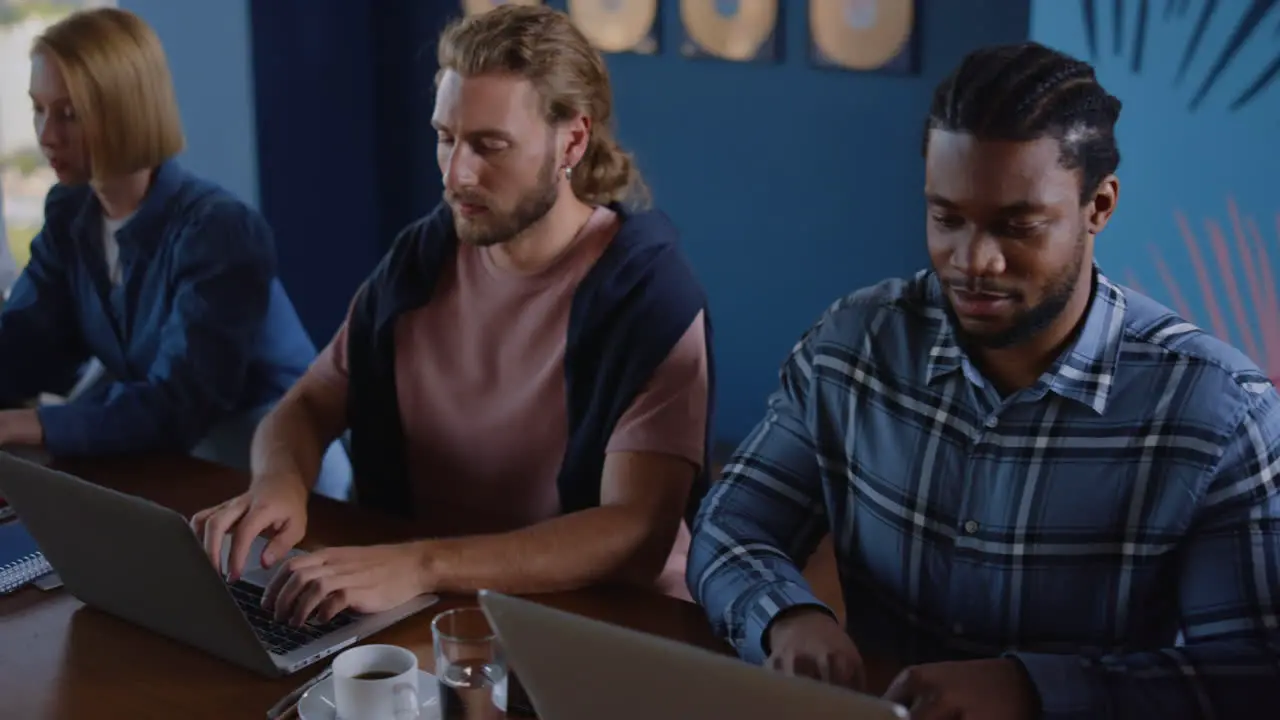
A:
(1029, 91)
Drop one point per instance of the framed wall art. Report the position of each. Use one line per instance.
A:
(865, 35)
(618, 26)
(735, 30)
(475, 7)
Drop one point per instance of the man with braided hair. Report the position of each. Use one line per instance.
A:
(1050, 496)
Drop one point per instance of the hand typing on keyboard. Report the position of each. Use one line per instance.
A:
(364, 579)
(280, 638)
(275, 508)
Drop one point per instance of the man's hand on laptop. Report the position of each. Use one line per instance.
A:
(997, 688)
(273, 508)
(364, 579)
(808, 641)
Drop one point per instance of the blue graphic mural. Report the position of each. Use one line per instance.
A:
(1198, 225)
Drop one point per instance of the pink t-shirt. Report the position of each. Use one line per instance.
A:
(481, 387)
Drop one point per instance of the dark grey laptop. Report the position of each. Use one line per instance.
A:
(140, 561)
(577, 668)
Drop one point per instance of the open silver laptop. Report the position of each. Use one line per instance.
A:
(576, 668)
(140, 561)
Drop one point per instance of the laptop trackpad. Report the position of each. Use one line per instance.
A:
(254, 573)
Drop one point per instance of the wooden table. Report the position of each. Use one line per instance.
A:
(61, 659)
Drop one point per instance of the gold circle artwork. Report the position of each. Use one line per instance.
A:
(736, 32)
(861, 34)
(615, 25)
(475, 7)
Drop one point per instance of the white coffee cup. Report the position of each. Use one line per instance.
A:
(394, 696)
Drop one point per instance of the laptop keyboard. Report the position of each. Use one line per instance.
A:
(280, 638)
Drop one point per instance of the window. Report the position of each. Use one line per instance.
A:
(25, 178)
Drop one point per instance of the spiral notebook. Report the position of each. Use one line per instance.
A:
(20, 558)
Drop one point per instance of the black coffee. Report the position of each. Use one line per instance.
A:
(375, 675)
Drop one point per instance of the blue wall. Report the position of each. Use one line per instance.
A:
(811, 193)
(207, 42)
(1190, 148)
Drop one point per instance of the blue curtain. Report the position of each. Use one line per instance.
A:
(346, 156)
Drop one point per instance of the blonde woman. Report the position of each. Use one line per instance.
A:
(165, 279)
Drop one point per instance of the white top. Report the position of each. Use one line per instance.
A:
(111, 248)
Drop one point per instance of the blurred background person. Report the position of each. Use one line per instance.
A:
(165, 279)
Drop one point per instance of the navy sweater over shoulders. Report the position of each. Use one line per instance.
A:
(198, 331)
(627, 314)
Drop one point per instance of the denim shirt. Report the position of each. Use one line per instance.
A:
(198, 331)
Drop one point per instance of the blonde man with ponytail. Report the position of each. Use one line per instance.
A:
(568, 83)
(527, 374)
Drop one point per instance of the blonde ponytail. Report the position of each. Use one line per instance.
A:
(608, 174)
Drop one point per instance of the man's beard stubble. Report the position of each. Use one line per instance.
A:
(494, 229)
(1031, 322)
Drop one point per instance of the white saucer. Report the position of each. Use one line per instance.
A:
(317, 703)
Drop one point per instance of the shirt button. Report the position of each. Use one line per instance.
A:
(971, 526)
(958, 628)
(992, 421)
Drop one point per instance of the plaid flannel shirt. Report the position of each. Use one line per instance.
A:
(1115, 526)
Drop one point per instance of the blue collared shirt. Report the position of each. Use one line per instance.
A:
(1115, 526)
(198, 331)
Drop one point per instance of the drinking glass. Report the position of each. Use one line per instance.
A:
(470, 670)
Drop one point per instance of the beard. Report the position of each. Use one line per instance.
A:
(495, 228)
(1030, 322)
